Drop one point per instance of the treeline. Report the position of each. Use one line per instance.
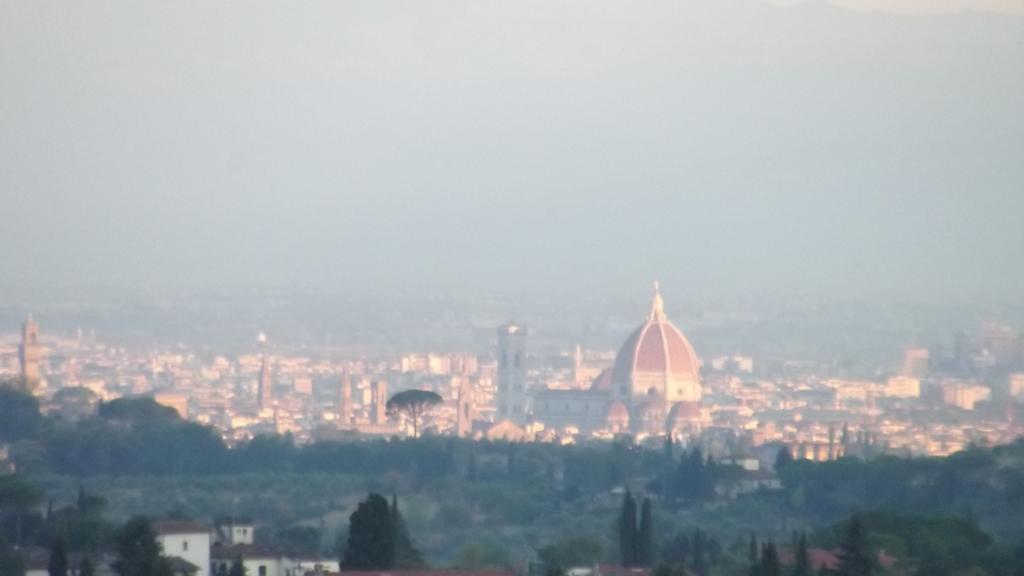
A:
(136, 437)
(984, 482)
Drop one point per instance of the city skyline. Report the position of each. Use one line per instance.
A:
(512, 288)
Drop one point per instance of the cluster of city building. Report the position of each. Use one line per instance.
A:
(655, 386)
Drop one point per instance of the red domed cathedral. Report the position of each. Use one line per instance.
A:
(653, 387)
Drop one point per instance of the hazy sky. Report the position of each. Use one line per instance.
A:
(532, 145)
(921, 6)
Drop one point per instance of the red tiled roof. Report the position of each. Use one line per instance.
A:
(823, 559)
(829, 559)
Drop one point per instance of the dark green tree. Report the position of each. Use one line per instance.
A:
(854, 554)
(58, 564)
(802, 561)
(627, 531)
(783, 458)
(138, 553)
(414, 404)
(17, 497)
(19, 414)
(407, 556)
(137, 409)
(645, 536)
(371, 536)
(694, 480)
(769, 564)
(753, 551)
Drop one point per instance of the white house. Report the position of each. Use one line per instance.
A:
(235, 530)
(189, 541)
(256, 559)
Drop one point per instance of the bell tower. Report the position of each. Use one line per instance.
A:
(29, 352)
(513, 400)
(464, 421)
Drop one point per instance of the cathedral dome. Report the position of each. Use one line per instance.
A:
(657, 361)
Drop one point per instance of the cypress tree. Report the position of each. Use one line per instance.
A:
(645, 536)
(854, 555)
(783, 458)
(58, 565)
(138, 551)
(770, 565)
(752, 552)
(803, 560)
(371, 536)
(406, 554)
(627, 531)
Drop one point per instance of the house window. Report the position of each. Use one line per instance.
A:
(184, 546)
(263, 570)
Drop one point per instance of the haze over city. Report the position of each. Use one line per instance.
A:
(527, 288)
